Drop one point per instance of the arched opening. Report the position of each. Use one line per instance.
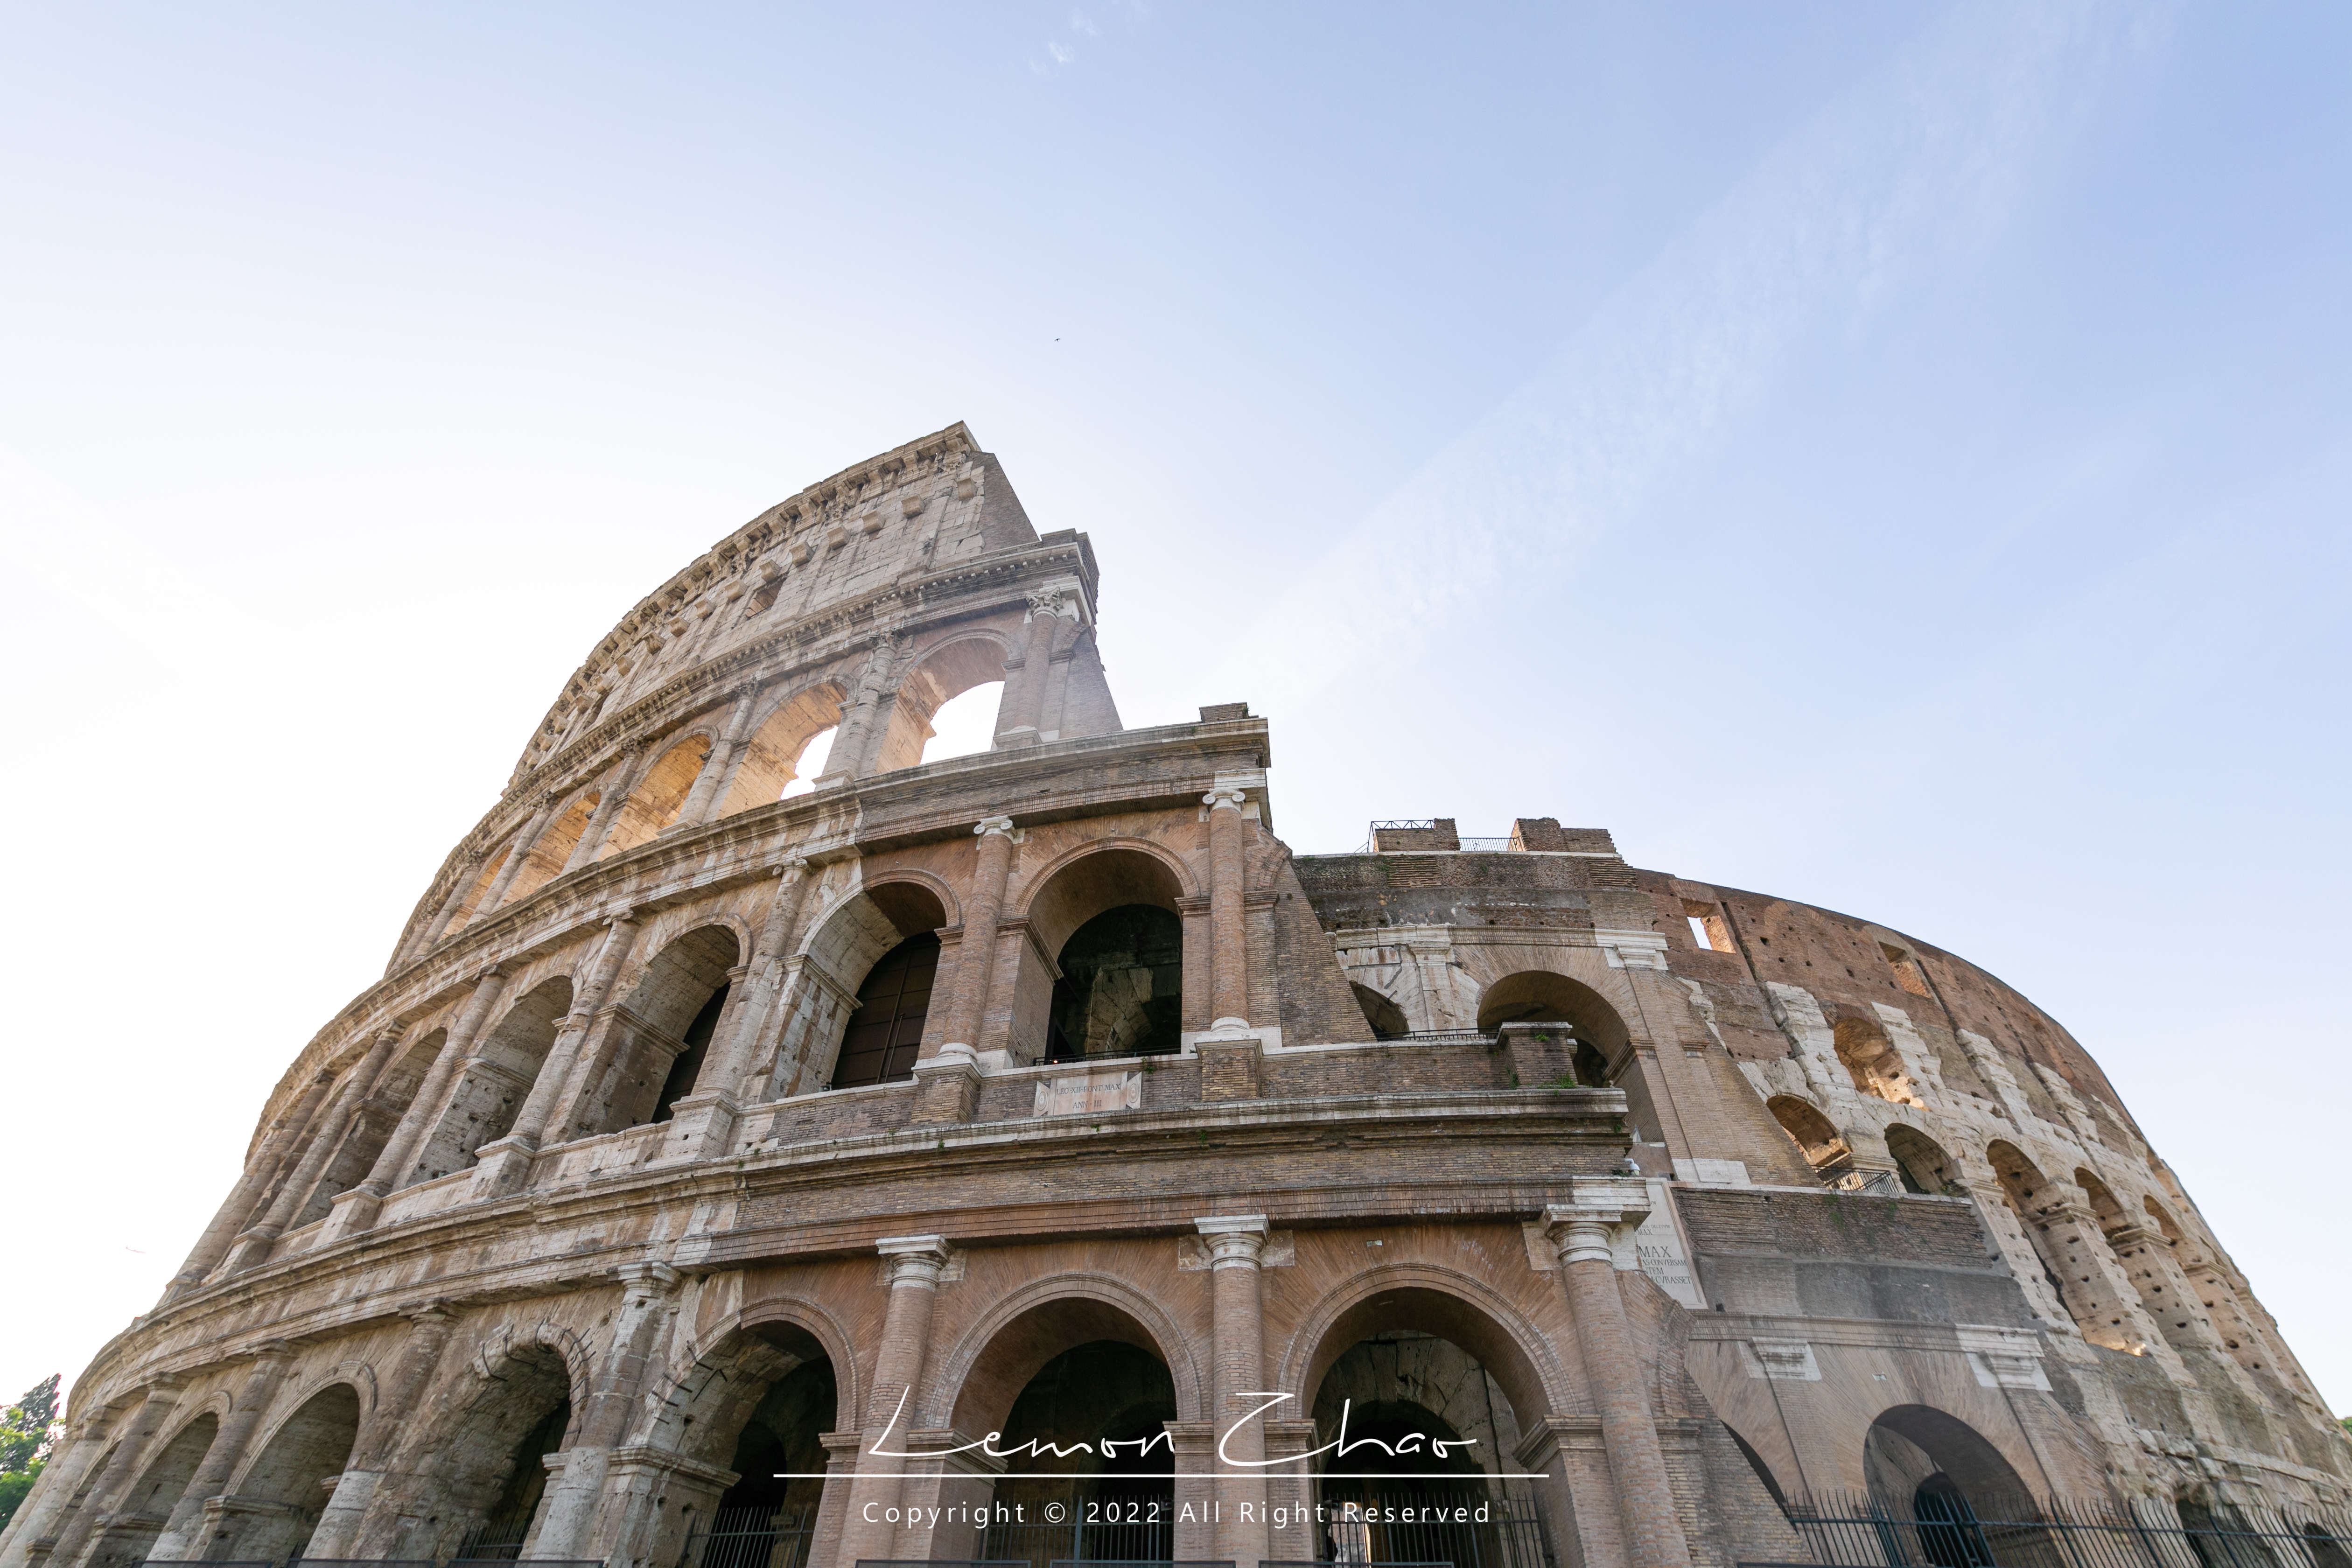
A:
(147, 1506)
(1083, 1397)
(965, 724)
(653, 804)
(488, 1472)
(1420, 1402)
(495, 1080)
(1822, 1145)
(2063, 1245)
(552, 851)
(472, 902)
(1871, 1060)
(282, 1494)
(787, 751)
(757, 1402)
(831, 996)
(1110, 919)
(660, 1033)
(371, 1127)
(1936, 1470)
(1540, 997)
(945, 673)
(1921, 1162)
(1121, 990)
(1386, 1018)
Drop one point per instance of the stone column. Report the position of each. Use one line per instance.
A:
(253, 1247)
(950, 1079)
(915, 1264)
(1019, 710)
(26, 1538)
(1237, 1312)
(356, 1210)
(346, 1529)
(181, 1530)
(1585, 1233)
(702, 800)
(568, 1519)
(702, 1124)
(121, 1469)
(612, 794)
(517, 853)
(502, 1165)
(251, 1183)
(1228, 932)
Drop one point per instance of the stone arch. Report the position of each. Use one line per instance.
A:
(483, 1469)
(1824, 1148)
(704, 1367)
(1544, 996)
(943, 672)
(282, 1489)
(470, 903)
(371, 1127)
(974, 1386)
(549, 853)
(1386, 1019)
(495, 1079)
(1872, 1062)
(843, 946)
(2068, 1261)
(139, 1518)
(1906, 1446)
(1442, 1303)
(770, 759)
(653, 803)
(1109, 917)
(1921, 1162)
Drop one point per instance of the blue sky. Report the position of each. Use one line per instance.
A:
(1895, 456)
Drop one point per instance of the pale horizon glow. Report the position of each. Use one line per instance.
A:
(1891, 457)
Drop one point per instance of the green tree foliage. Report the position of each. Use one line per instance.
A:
(28, 1431)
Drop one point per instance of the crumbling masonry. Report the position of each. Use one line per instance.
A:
(710, 1145)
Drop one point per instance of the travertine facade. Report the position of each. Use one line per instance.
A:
(706, 1150)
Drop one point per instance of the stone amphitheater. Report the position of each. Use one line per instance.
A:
(1027, 1157)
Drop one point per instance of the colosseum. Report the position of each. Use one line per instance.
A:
(1026, 1157)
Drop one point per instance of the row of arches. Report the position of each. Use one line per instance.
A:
(764, 747)
(2112, 1268)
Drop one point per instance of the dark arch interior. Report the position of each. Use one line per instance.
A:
(1089, 1431)
(686, 1066)
(1913, 1446)
(886, 1029)
(1538, 995)
(1122, 986)
(1406, 1422)
(291, 1473)
(499, 1537)
(768, 1516)
(1386, 1019)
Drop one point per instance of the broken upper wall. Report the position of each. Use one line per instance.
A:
(920, 509)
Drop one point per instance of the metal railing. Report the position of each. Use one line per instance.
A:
(1065, 1523)
(1947, 1533)
(762, 1536)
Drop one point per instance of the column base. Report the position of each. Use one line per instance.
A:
(947, 1086)
(502, 1168)
(701, 1127)
(1231, 1054)
(351, 1213)
(250, 1250)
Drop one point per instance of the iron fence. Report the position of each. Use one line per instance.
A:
(761, 1536)
(1945, 1531)
(1068, 1523)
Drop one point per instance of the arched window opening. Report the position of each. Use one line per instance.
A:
(768, 1519)
(651, 1049)
(687, 1065)
(1941, 1472)
(763, 598)
(1089, 1433)
(488, 1094)
(1822, 1145)
(1540, 997)
(472, 903)
(1122, 985)
(787, 752)
(1922, 1164)
(964, 723)
(925, 692)
(504, 1527)
(1386, 1018)
(289, 1480)
(653, 804)
(1872, 1061)
(148, 1505)
(553, 849)
(370, 1128)
(489, 1471)
(1425, 1424)
(2063, 1247)
(886, 1027)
